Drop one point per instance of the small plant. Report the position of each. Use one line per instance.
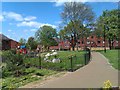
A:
(30, 70)
(107, 85)
(39, 74)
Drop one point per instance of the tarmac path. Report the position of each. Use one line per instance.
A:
(92, 75)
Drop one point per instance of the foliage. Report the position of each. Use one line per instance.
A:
(15, 82)
(62, 34)
(6, 72)
(75, 15)
(31, 43)
(74, 11)
(22, 41)
(108, 21)
(112, 55)
(14, 62)
(46, 36)
(107, 85)
(30, 70)
(13, 51)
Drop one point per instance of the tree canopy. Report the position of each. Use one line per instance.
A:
(22, 41)
(46, 36)
(74, 16)
(108, 21)
(31, 43)
(77, 11)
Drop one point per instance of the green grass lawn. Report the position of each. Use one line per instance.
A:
(112, 55)
(48, 68)
(65, 61)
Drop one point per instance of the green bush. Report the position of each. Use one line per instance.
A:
(30, 70)
(43, 72)
(14, 62)
(6, 73)
(39, 73)
(13, 51)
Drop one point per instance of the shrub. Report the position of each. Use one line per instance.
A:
(5, 72)
(43, 72)
(13, 51)
(39, 73)
(30, 70)
(14, 62)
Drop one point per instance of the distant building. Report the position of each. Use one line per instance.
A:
(7, 43)
(91, 41)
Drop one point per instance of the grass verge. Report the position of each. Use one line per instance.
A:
(112, 55)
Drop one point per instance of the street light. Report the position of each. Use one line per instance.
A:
(104, 39)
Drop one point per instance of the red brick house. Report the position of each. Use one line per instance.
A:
(62, 45)
(91, 41)
(7, 43)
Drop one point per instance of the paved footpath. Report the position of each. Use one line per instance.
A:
(92, 75)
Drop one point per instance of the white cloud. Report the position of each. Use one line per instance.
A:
(33, 30)
(13, 15)
(61, 2)
(34, 24)
(13, 33)
(58, 22)
(25, 21)
(29, 24)
(48, 25)
(17, 17)
(1, 18)
(9, 30)
(29, 30)
(25, 31)
(29, 18)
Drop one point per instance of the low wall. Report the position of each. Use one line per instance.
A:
(92, 48)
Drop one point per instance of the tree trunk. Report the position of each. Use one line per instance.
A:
(73, 48)
(48, 48)
(77, 45)
(110, 44)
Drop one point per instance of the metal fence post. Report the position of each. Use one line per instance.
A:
(39, 61)
(71, 64)
(85, 58)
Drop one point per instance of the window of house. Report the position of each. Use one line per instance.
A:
(88, 42)
(82, 42)
(78, 42)
(91, 36)
(98, 42)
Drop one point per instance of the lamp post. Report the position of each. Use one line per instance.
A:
(104, 39)
(39, 60)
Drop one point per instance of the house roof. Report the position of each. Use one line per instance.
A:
(3, 37)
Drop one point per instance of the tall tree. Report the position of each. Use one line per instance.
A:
(46, 35)
(31, 43)
(22, 41)
(108, 21)
(74, 15)
(62, 34)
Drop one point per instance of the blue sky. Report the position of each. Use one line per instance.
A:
(22, 19)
